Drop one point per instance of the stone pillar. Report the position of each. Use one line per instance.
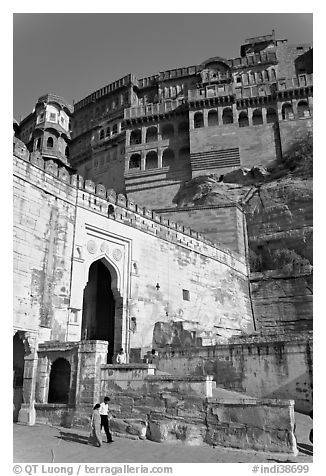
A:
(143, 160)
(27, 413)
(159, 155)
(91, 355)
(143, 135)
(310, 102)
(127, 163)
(159, 133)
(264, 114)
(235, 113)
(191, 120)
(279, 110)
(295, 108)
(128, 132)
(220, 115)
(250, 116)
(205, 117)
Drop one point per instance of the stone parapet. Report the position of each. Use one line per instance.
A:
(59, 180)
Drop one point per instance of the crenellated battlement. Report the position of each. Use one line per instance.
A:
(107, 202)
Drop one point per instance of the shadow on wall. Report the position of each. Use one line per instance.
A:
(299, 389)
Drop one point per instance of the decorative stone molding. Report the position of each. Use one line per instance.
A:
(91, 247)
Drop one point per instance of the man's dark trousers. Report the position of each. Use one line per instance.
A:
(105, 425)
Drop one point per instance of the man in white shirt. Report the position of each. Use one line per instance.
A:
(121, 357)
(104, 412)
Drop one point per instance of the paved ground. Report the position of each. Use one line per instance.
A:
(45, 444)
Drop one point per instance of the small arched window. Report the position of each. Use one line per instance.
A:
(243, 119)
(227, 116)
(257, 117)
(135, 137)
(102, 134)
(259, 77)
(151, 160)
(287, 111)
(38, 144)
(271, 115)
(49, 143)
(151, 134)
(303, 109)
(67, 152)
(115, 129)
(198, 120)
(272, 75)
(134, 161)
(108, 132)
(212, 118)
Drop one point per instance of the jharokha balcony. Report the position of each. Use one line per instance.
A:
(152, 109)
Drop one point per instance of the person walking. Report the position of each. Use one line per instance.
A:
(95, 433)
(121, 357)
(104, 414)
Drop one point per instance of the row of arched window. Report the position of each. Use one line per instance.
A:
(49, 145)
(108, 132)
(151, 158)
(167, 132)
(258, 77)
(303, 110)
(227, 117)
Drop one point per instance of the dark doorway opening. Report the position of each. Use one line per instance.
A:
(59, 382)
(99, 307)
(18, 373)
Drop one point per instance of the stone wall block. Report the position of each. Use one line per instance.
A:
(90, 186)
(63, 175)
(121, 200)
(100, 191)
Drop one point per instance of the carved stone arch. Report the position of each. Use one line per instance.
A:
(111, 266)
(102, 309)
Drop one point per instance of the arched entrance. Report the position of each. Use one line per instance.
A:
(18, 373)
(98, 320)
(59, 381)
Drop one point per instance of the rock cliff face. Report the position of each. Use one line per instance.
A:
(278, 209)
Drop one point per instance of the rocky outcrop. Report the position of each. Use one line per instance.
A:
(277, 202)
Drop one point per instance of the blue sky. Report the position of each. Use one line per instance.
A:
(73, 54)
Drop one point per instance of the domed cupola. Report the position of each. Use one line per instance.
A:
(215, 70)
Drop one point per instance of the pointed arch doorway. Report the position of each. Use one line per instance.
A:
(99, 305)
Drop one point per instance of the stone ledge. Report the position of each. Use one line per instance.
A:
(272, 402)
(179, 378)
